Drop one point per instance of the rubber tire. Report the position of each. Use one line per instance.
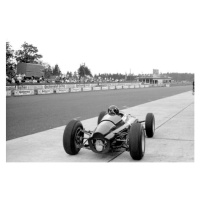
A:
(150, 125)
(135, 141)
(101, 115)
(68, 137)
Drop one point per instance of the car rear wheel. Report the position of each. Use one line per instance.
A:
(137, 141)
(150, 125)
(73, 137)
(101, 115)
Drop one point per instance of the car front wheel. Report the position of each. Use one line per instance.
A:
(73, 137)
(137, 141)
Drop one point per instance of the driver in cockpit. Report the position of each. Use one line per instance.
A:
(113, 110)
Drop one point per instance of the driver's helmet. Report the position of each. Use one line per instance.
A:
(113, 110)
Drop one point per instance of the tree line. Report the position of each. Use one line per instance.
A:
(29, 54)
(179, 77)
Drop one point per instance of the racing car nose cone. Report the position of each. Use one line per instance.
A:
(99, 145)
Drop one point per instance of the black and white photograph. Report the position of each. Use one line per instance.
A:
(100, 96)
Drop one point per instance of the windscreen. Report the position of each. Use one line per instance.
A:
(113, 118)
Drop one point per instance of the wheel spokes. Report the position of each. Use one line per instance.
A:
(78, 137)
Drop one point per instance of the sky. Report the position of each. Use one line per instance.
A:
(109, 36)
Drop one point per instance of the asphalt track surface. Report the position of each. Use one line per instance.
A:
(31, 114)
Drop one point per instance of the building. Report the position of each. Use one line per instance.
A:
(154, 78)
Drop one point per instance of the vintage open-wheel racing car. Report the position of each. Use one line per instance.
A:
(115, 131)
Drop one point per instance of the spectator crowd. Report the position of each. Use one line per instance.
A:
(22, 79)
